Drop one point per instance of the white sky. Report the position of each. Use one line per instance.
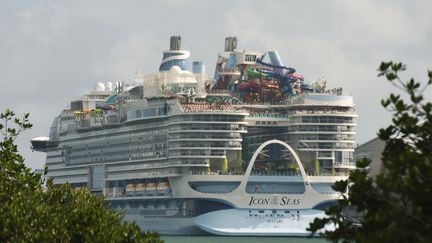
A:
(54, 51)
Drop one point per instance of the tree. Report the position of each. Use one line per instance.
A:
(395, 206)
(30, 212)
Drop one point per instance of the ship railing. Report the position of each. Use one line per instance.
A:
(136, 104)
(259, 103)
(115, 192)
(289, 101)
(151, 193)
(94, 122)
(296, 100)
(97, 121)
(302, 112)
(328, 174)
(342, 164)
(108, 192)
(325, 112)
(329, 137)
(264, 191)
(321, 146)
(90, 123)
(267, 115)
(276, 173)
(320, 129)
(213, 145)
(263, 173)
(198, 153)
(200, 107)
(142, 195)
(83, 124)
(112, 119)
(230, 172)
(206, 136)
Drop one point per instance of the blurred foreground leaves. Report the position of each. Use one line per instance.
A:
(32, 212)
(395, 206)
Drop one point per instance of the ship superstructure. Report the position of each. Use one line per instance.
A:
(181, 153)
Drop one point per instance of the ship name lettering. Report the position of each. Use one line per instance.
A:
(259, 201)
(289, 201)
(274, 221)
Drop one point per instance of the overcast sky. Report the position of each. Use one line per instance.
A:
(54, 51)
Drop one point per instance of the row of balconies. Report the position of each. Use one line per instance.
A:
(206, 126)
(207, 118)
(175, 153)
(204, 145)
(215, 136)
(317, 128)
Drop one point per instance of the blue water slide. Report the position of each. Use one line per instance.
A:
(306, 87)
(287, 89)
(282, 77)
(280, 73)
(285, 86)
(278, 69)
(275, 58)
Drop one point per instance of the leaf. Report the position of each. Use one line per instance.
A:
(391, 76)
(385, 102)
(32, 212)
(384, 66)
(396, 66)
(363, 163)
(340, 186)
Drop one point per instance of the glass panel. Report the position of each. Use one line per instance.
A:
(96, 173)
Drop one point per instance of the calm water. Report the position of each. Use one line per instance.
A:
(214, 239)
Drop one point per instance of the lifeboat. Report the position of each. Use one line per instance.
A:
(151, 188)
(140, 188)
(130, 189)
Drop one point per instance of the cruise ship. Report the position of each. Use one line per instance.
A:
(252, 151)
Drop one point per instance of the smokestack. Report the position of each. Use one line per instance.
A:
(175, 42)
(230, 43)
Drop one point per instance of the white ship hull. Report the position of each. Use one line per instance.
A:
(243, 222)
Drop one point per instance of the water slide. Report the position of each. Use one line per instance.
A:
(284, 74)
(297, 76)
(253, 73)
(276, 63)
(282, 78)
(289, 70)
(306, 87)
(249, 87)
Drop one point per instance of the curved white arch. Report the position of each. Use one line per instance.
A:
(296, 158)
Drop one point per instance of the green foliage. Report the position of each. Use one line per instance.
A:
(224, 167)
(395, 206)
(30, 212)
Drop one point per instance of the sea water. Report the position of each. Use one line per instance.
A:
(223, 239)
